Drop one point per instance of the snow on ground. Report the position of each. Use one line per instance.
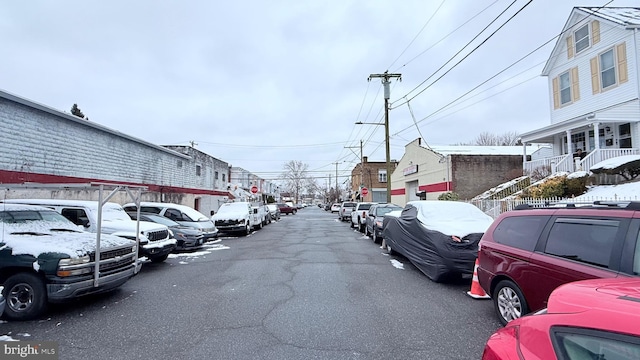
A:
(206, 250)
(7, 338)
(629, 191)
(397, 264)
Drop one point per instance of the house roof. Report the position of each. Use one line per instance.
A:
(476, 150)
(626, 16)
(620, 16)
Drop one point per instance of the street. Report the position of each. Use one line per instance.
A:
(306, 287)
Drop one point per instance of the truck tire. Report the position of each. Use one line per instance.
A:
(25, 295)
(159, 259)
(247, 230)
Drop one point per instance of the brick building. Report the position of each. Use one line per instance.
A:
(373, 176)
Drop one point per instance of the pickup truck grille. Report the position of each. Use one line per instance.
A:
(110, 254)
(157, 235)
(227, 222)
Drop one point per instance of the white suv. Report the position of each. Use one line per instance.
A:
(345, 210)
(359, 215)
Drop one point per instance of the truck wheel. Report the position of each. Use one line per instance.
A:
(26, 296)
(247, 230)
(159, 259)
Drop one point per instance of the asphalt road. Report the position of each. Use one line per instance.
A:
(306, 287)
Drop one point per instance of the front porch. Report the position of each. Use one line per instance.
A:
(569, 163)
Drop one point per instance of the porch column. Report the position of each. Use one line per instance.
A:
(524, 156)
(570, 151)
(596, 139)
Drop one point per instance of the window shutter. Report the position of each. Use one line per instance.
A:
(595, 32)
(623, 75)
(575, 84)
(556, 93)
(595, 76)
(570, 47)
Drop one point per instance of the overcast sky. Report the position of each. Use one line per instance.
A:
(260, 83)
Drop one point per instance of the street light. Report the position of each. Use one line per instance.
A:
(387, 151)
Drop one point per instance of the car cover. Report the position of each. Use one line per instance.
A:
(436, 254)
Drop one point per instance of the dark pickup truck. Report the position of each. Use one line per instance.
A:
(45, 258)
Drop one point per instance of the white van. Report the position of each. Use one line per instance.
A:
(181, 214)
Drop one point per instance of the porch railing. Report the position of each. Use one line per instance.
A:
(598, 155)
(566, 162)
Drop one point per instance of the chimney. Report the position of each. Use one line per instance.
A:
(364, 159)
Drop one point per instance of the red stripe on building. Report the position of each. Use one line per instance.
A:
(20, 177)
(398, 192)
(438, 187)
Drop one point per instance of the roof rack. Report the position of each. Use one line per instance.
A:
(626, 205)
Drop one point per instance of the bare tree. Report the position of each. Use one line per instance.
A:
(509, 138)
(295, 177)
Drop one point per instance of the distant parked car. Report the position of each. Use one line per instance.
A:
(274, 211)
(335, 208)
(589, 319)
(187, 238)
(182, 214)
(439, 237)
(374, 220)
(345, 210)
(359, 215)
(287, 209)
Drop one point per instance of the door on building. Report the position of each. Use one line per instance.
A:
(379, 196)
(412, 190)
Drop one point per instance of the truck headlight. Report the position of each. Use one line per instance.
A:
(74, 261)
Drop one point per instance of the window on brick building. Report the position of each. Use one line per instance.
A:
(216, 175)
(382, 175)
(223, 178)
(198, 170)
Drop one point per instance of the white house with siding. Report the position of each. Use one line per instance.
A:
(594, 90)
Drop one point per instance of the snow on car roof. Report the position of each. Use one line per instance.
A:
(451, 217)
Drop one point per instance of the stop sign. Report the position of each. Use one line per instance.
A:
(364, 191)
(254, 189)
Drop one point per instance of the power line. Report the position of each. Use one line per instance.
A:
(446, 36)
(467, 55)
(418, 34)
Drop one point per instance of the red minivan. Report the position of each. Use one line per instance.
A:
(528, 252)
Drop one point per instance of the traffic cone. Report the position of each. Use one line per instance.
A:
(476, 291)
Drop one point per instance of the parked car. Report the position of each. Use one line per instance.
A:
(187, 238)
(335, 207)
(528, 252)
(182, 214)
(374, 220)
(235, 217)
(345, 210)
(260, 216)
(589, 319)
(274, 211)
(359, 215)
(155, 243)
(287, 209)
(45, 258)
(439, 237)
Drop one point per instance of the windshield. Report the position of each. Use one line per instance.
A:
(193, 214)
(159, 220)
(384, 210)
(114, 213)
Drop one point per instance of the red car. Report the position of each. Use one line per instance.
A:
(589, 319)
(286, 209)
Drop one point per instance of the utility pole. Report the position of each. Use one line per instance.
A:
(361, 168)
(337, 192)
(387, 94)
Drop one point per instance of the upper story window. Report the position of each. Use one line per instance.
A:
(382, 175)
(581, 38)
(565, 88)
(216, 175)
(607, 69)
(198, 170)
(223, 176)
